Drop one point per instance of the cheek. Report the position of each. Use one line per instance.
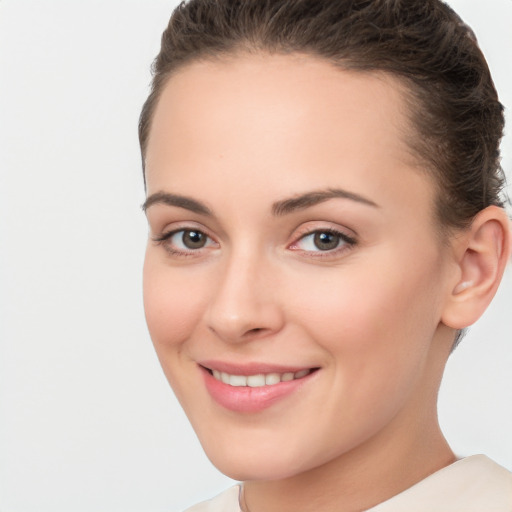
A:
(173, 308)
(376, 321)
(358, 308)
(171, 303)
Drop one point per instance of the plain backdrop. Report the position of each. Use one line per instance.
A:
(87, 421)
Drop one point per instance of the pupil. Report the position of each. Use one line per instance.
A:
(194, 239)
(326, 241)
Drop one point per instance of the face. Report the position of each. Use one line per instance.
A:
(294, 278)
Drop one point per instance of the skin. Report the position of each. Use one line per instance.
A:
(238, 135)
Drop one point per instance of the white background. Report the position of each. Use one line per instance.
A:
(87, 422)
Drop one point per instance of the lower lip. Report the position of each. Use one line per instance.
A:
(247, 399)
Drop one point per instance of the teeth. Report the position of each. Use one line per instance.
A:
(256, 381)
(237, 380)
(260, 380)
(272, 378)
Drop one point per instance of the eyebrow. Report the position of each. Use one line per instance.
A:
(279, 208)
(309, 199)
(176, 200)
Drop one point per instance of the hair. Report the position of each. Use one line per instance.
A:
(452, 102)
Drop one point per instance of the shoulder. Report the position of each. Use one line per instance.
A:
(472, 484)
(224, 502)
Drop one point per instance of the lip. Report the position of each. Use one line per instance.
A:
(245, 399)
(252, 368)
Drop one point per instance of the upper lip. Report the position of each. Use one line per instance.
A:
(251, 368)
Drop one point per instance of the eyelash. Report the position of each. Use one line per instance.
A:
(347, 242)
(164, 238)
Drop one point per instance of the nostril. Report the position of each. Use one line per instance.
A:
(256, 330)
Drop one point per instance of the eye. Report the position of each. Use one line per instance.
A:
(325, 240)
(184, 241)
(189, 239)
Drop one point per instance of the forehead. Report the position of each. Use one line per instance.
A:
(262, 93)
(279, 118)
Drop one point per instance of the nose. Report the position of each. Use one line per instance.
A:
(243, 305)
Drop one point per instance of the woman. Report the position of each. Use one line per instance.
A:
(323, 196)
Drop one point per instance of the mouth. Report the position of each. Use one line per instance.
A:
(260, 379)
(253, 388)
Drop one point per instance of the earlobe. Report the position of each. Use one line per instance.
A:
(484, 249)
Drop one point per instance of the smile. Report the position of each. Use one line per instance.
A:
(253, 388)
(259, 380)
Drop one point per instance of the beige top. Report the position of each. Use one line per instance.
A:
(473, 484)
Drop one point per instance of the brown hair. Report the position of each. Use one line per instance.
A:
(453, 102)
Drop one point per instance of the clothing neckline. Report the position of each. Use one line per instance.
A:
(472, 484)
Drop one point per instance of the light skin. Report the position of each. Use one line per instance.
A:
(259, 154)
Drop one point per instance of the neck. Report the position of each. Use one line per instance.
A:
(355, 481)
(408, 450)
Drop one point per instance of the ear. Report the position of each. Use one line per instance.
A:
(482, 252)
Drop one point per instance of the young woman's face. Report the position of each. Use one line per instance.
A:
(294, 279)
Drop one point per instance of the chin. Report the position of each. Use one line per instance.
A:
(245, 469)
(258, 461)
